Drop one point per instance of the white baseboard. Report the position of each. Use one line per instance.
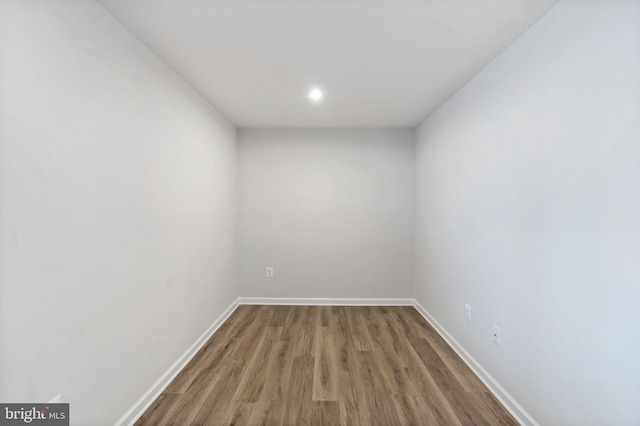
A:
(516, 410)
(324, 301)
(134, 413)
(57, 399)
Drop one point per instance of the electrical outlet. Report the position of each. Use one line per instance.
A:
(269, 272)
(467, 311)
(496, 335)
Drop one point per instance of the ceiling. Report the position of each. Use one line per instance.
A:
(380, 63)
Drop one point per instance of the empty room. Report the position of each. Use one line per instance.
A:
(320, 212)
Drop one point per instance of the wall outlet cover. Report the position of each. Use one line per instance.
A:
(496, 335)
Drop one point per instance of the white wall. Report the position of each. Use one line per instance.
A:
(330, 210)
(117, 185)
(528, 207)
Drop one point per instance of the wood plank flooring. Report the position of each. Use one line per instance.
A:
(326, 365)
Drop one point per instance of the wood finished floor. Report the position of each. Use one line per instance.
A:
(326, 365)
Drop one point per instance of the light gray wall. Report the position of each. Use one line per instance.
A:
(528, 207)
(330, 210)
(117, 186)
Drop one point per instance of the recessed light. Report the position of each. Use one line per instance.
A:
(315, 94)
